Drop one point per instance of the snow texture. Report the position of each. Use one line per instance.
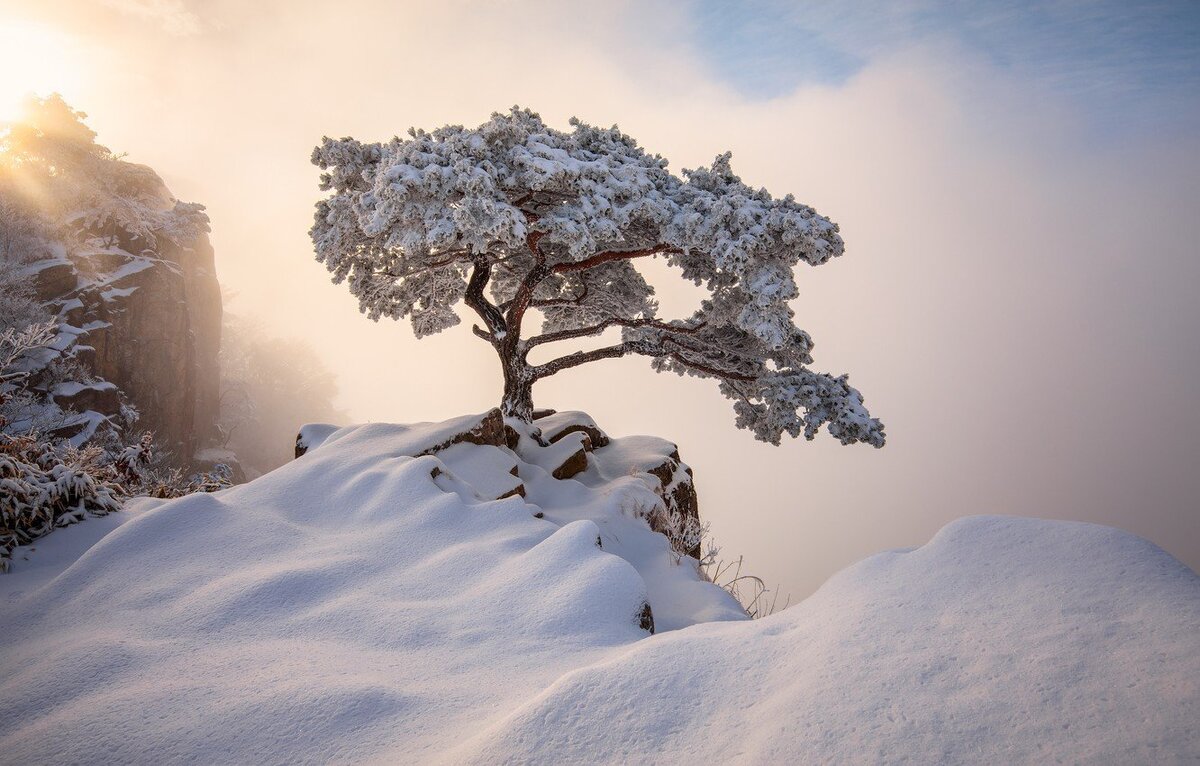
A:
(351, 606)
(1003, 640)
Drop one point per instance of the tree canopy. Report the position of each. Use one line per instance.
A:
(514, 215)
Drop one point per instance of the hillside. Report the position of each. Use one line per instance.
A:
(370, 602)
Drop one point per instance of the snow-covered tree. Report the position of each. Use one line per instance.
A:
(515, 216)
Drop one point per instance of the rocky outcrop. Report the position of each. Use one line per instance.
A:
(568, 446)
(145, 317)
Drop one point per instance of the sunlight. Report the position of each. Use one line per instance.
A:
(34, 58)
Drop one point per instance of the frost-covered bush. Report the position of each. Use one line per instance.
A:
(45, 485)
(514, 216)
(42, 488)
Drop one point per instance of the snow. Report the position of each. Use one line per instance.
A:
(352, 606)
(1003, 640)
(90, 420)
(342, 607)
(112, 293)
(313, 435)
(36, 564)
(73, 387)
(37, 267)
(490, 472)
(552, 425)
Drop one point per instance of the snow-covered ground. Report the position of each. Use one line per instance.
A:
(359, 604)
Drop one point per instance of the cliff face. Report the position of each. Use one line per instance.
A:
(143, 314)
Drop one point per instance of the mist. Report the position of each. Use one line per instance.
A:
(1016, 300)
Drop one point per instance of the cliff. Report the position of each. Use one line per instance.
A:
(142, 316)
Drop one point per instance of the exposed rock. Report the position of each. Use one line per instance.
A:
(210, 459)
(658, 462)
(161, 340)
(678, 492)
(564, 459)
(55, 278)
(489, 430)
(145, 318)
(555, 426)
(311, 436)
(516, 491)
(646, 618)
(575, 464)
(97, 397)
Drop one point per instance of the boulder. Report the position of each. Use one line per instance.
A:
(54, 279)
(490, 429)
(556, 425)
(104, 398)
(658, 462)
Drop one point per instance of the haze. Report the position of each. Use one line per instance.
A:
(1017, 191)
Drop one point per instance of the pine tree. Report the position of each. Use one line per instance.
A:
(515, 216)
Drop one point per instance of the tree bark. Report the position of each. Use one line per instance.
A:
(518, 388)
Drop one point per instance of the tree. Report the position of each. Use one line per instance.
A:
(269, 388)
(51, 158)
(557, 222)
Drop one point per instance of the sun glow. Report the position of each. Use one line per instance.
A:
(34, 58)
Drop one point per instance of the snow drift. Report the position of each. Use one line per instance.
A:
(363, 604)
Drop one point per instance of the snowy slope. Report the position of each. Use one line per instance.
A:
(352, 606)
(1003, 640)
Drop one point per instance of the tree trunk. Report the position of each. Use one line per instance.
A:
(518, 389)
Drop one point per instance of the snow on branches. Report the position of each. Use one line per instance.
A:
(514, 215)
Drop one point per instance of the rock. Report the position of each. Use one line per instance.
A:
(565, 458)
(517, 491)
(55, 278)
(161, 343)
(104, 398)
(557, 425)
(658, 461)
(150, 324)
(207, 460)
(646, 618)
(489, 430)
(311, 436)
(575, 464)
(678, 491)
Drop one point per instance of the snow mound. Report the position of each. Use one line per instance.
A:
(356, 603)
(362, 604)
(1003, 640)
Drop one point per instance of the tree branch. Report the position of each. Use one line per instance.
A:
(534, 277)
(474, 298)
(583, 332)
(583, 357)
(613, 255)
(644, 348)
(555, 301)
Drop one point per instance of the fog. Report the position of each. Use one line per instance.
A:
(1017, 299)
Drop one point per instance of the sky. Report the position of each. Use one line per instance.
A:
(1016, 184)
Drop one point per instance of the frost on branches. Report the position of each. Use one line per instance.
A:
(514, 215)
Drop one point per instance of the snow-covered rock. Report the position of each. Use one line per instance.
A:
(365, 604)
